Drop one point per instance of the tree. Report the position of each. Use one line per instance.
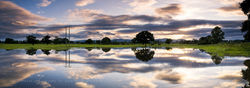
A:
(9, 40)
(31, 39)
(106, 40)
(168, 41)
(46, 39)
(245, 7)
(144, 37)
(217, 35)
(133, 40)
(58, 40)
(205, 40)
(89, 41)
(98, 41)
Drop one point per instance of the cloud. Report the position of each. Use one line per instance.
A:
(19, 36)
(84, 2)
(91, 34)
(141, 6)
(235, 9)
(16, 69)
(174, 25)
(229, 2)
(89, 73)
(142, 82)
(44, 84)
(45, 3)
(169, 76)
(84, 85)
(83, 15)
(15, 19)
(119, 25)
(170, 10)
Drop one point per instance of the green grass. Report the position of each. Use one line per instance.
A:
(222, 49)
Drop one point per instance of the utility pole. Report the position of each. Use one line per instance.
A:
(67, 35)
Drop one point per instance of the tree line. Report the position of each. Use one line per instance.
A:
(144, 37)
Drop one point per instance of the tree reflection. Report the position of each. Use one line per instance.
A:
(144, 54)
(246, 73)
(106, 49)
(89, 48)
(133, 49)
(216, 59)
(168, 48)
(47, 52)
(31, 51)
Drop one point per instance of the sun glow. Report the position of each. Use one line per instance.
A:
(197, 27)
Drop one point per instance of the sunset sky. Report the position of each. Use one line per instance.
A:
(120, 19)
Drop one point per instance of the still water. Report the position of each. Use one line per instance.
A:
(121, 68)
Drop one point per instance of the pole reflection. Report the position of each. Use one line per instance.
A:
(67, 58)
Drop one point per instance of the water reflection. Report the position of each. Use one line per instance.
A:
(120, 67)
(89, 48)
(67, 59)
(217, 59)
(106, 49)
(144, 54)
(246, 73)
(168, 48)
(31, 51)
(47, 52)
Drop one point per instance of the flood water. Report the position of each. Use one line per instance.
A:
(121, 68)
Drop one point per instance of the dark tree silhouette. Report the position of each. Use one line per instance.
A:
(106, 40)
(9, 40)
(133, 40)
(98, 41)
(245, 7)
(144, 54)
(31, 39)
(216, 59)
(58, 40)
(46, 40)
(246, 73)
(217, 35)
(205, 40)
(47, 52)
(89, 41)
(106, 49)
(168, 41)
(144, 37)
(246, 29)
(31, 51)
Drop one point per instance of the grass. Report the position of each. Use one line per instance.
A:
(222, 49)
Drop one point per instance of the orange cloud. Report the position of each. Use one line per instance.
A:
(84, 2)
(170, 10)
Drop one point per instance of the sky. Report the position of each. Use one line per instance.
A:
(120, 19)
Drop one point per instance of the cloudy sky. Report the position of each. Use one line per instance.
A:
(119, 19)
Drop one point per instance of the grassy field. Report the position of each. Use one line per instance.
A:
(222, 49)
